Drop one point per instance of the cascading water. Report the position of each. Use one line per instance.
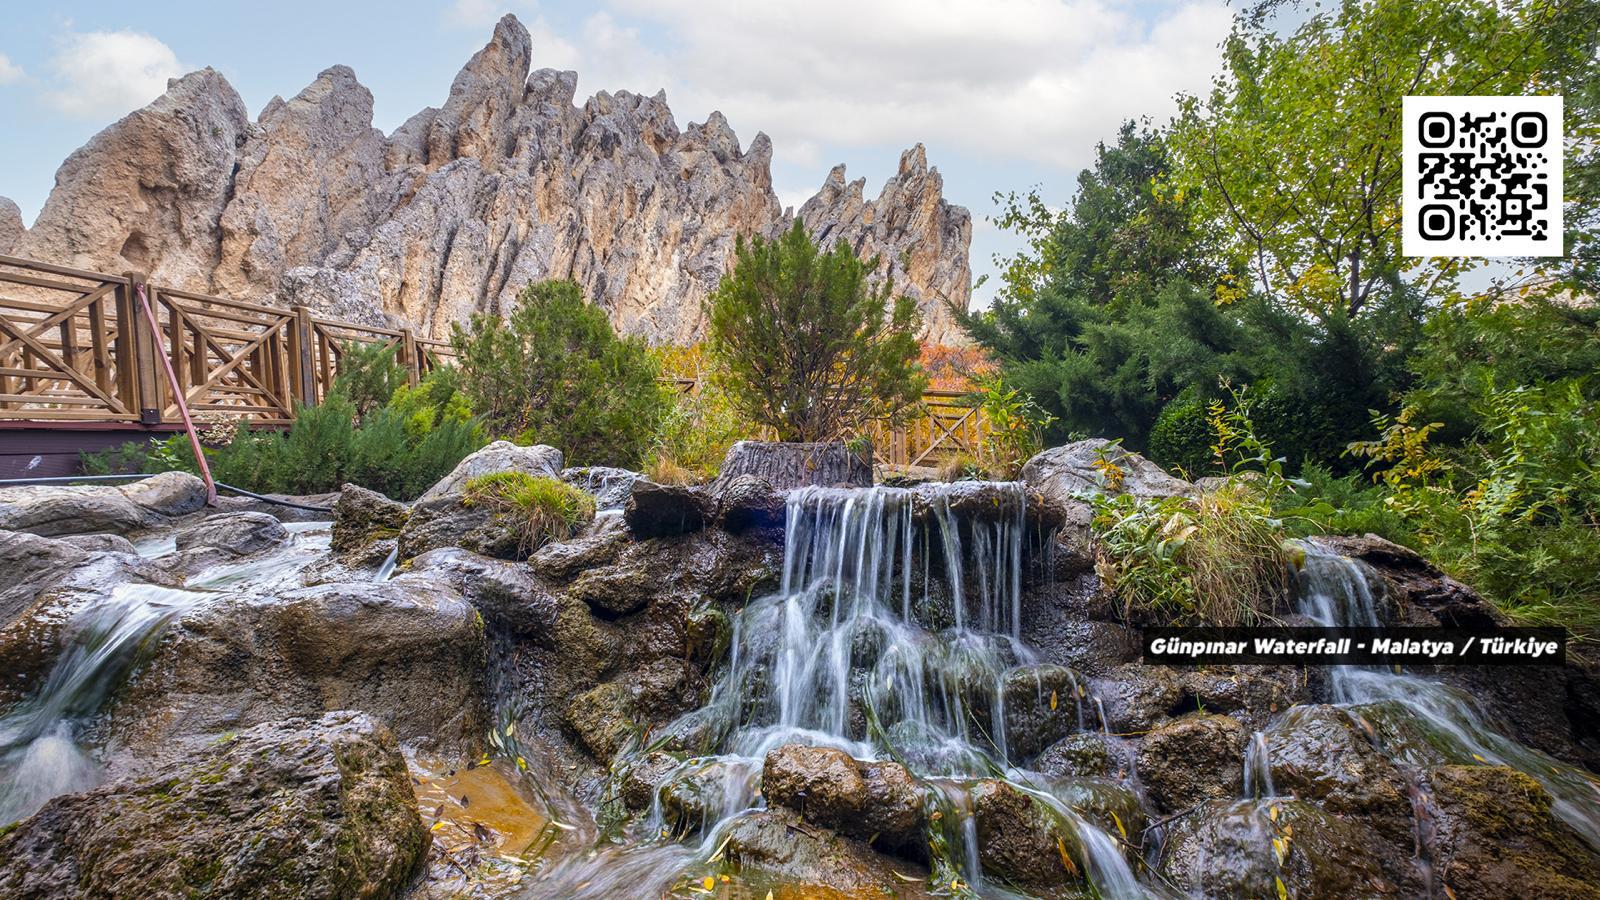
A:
(1337, 591)
(40, 751)
(890, 637)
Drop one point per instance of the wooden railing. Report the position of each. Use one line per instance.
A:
(74, 346)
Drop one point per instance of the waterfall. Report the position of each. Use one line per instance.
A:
(1334, 591)
(1258, 769)
(39, 755)
(897, 619)
(386, 569)
(41, 752)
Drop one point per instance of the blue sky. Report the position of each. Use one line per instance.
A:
(1006, 94)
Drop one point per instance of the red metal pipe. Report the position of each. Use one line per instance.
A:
(177, 394)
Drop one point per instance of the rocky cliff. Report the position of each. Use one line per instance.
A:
(451, 214)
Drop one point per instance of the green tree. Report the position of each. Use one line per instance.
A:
(807, 344)
(555, 372)
(1110, 312)
(1296, 150)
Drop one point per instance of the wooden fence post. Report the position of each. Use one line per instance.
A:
(413, 363)
(302, 375)
(141, 349)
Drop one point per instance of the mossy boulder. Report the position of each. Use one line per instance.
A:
(312, 808)
(236, 533)
(1493, 834)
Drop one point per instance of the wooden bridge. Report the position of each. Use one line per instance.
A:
(82, 370)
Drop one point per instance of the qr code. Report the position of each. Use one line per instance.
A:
(1482, 176)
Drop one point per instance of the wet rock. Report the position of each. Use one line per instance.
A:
(1426, 596)
(1251, 694)
(506, 593)
(748, 501)
(1056, 622)
(1136, 697)
(876, 801)
(1086, 754)
(562, 561)
(42, 610)
(1194, 757)
(1324, 753)
(609, 485)
(361, 517)
(238, 533)
(606, 716)
(32, 564)
(1225, 849)
(602, 719)
(1020, 840)
(661, 510)
(708, 636)
(643, 775)
(701, 793)
(779, 844)
(409, 651)
(51, 510)
(1113, 808)
(500, 456)
(1063, 473)
(613, 592)
(302, 808)
(100, 543)
(1043, 704)
(448, 522)
(1493, 835)
(786, 465)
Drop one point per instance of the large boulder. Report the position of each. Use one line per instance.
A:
(500, 456)
(876, 801)
(1493, 835)
(777, 844)
(662, 510)
(1282, 848)
(409, 651)
(312, 808)
(236, 533)
(361, 517)
(506, 593)
(1191, 758)
(748, 501)
(1086, 467)
(51, 510)
(788, 465)
(1327, 754)
(605, 717)
(1022, 839)
(32, 564)
(448, 521)
(1087, 754)
(1042, 703)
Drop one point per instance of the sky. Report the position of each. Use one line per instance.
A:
(1006, 95)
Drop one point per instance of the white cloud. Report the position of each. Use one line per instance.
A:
(1034, 80)
(108, 73)
(9, 71)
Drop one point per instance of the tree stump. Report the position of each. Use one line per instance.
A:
(787, 466)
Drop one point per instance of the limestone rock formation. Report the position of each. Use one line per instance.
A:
(11, 227)
(454, 212)
(147, 192)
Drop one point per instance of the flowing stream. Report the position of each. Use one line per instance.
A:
(1335, 591)
(41, 754)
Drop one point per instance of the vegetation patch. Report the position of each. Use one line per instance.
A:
(539, 509)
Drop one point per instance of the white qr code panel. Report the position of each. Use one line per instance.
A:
(1482, 176)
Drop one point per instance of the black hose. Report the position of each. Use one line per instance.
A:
(73, 479)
